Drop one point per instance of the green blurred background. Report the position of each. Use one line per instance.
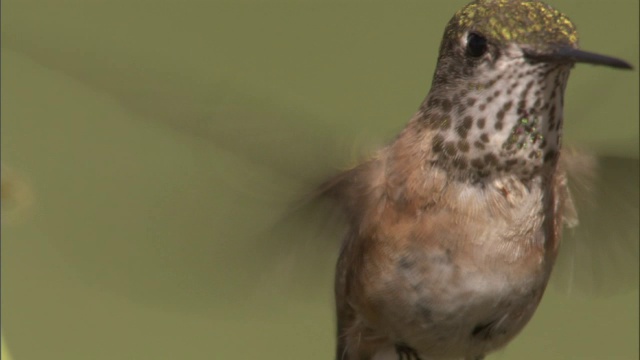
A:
(164, 139)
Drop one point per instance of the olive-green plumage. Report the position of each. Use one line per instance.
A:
(532, 23)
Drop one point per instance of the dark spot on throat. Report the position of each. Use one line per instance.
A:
(478, 145)
(460, 163)
(477, 163)
(463, 145)
(491, 159)
(450, 149)
(446, 105)
(467, 122)
(438, 142)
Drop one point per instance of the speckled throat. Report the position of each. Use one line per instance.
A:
(507, 122)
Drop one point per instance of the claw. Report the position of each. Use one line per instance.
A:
(406, 353)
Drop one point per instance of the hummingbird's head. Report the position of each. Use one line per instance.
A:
(497, 93)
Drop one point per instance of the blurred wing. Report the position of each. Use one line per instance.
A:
(310, 232)
(599, 251)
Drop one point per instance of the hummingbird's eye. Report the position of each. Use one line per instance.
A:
(476, 45)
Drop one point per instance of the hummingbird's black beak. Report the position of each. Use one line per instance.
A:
(568, 54)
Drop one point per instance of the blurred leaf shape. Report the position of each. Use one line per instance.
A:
(16, 195)
(5, 351)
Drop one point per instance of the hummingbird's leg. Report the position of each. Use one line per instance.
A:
(406, 353)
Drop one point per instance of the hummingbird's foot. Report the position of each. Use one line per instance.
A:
(406, 353)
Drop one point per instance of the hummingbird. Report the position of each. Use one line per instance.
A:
(454, 227)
